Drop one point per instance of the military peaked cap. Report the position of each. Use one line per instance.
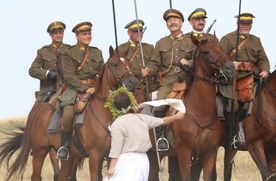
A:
(133, 25)
(83, 26)
(245, 17)
(56, 25)
(198, 13)
(173, 13)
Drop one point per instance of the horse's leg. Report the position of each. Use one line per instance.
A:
(174, 172)
(95, 166)
(271, 161)
(153, 170)
(209, 163)
(66, 169)
(196, 170)
(76, 164)
(38, 160)
(256, 151)
(184, 158)
(54, 161)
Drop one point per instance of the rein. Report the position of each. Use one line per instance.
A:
(212, 63)
(258, 104)
(117, 77)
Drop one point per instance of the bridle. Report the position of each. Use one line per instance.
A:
(115, 74)
(212, 62)
(112, 71)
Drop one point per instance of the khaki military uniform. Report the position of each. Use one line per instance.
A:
(45, 60)
(71, 60)
(252, 51)
(167, 52)
(136, 63)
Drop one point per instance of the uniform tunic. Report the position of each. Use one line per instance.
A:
(251, 51)
(136, 65)
(167, 52)
(71, 60)
(44, 61)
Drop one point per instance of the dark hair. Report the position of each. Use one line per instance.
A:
(122, 100)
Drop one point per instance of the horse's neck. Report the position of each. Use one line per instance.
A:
(201, 96)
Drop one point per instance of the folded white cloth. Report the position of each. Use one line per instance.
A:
(175, 103)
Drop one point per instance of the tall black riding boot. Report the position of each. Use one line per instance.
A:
(63, 151)
(162, 143)
(46, 96)
(236, 142)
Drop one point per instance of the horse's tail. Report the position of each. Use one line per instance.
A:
(19, 141)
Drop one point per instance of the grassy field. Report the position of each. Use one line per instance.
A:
(244, 169)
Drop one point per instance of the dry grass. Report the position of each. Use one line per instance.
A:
(244, 169)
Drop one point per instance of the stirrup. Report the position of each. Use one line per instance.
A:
(63, 156)
(240, 146)
(165, 141)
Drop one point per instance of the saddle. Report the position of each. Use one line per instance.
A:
(81, 102)
(178, 92)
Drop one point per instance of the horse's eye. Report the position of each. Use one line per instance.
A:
(206, 52)
(116, 64)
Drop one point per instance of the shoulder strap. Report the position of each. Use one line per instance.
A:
(134, 55)
(83, 61)
(239, 47)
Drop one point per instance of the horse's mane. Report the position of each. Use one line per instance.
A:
(99, 79)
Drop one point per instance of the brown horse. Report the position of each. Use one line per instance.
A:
(260, 131)
(260, 128)
(197, 136)
(93, 136)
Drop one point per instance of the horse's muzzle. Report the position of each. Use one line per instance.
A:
(131, 83)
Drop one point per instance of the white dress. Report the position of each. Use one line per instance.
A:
(132, 166)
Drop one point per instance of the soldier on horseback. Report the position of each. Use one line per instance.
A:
(251, 64)
(135, 53)
(44, 65)
(81, 65)
(167, 53)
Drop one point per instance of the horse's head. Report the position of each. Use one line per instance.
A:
(214, 61)
(118, 72)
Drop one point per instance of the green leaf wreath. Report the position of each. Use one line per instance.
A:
(110, 102)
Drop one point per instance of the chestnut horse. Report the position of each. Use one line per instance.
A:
(94, 135)
(197, 136)
(260, 131)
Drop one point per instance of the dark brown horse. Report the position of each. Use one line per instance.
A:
(197, 136)
(94, 135)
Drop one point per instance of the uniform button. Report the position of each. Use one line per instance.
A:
(90, 68)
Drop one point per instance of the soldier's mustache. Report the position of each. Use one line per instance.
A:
(172, 25)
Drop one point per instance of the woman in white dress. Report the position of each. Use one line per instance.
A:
(130, 137)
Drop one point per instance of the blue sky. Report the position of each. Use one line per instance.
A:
(24, 24)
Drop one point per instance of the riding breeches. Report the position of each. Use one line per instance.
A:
(67, 118)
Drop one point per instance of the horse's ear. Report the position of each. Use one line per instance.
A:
(194, 40)
(213, 37)
(111, 51)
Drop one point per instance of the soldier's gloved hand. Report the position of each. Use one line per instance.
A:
(52, 74)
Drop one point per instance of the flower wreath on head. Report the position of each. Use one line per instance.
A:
(110, 102)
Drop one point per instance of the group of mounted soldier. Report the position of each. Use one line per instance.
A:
(156, 67)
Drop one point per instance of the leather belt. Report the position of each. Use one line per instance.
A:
(172, 71)
(88, 81)
(246, 66)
